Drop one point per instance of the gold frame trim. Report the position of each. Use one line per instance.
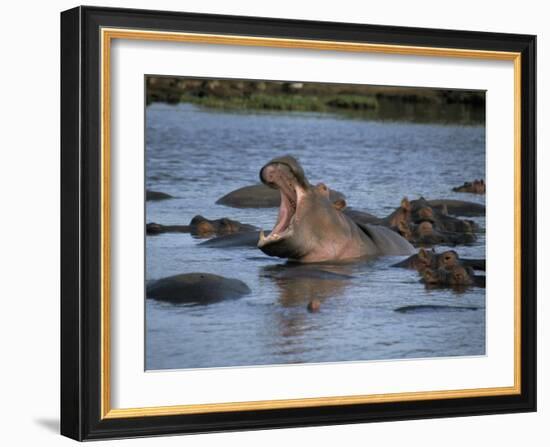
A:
(107, 35)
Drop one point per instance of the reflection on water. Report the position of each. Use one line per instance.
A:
(298, 285)
(419, 112)
(198, 155)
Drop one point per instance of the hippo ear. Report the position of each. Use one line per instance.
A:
(405, 204)
(422, 254)
(428, 274)
(402, 227)
(322, 186)
(339, 204)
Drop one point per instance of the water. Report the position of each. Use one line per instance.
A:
(198, 155)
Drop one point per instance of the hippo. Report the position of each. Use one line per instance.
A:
(421, 211)
(196, 288)
(457, 275)
(337, 199)
(421, 224)
(439, 212)
(445, 260)
(261, 196)
(424, 234)
(361, 216)
(458, 207)
(450, 258)
(475, 187)
(157, 195)
(235, 240)
(202, 227)
(310, 229)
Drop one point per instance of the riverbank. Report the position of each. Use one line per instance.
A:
(375, 102)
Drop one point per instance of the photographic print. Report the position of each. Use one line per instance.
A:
(292, 222)
(273, 223)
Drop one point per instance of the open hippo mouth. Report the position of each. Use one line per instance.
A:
(310, 228)
(286, 175)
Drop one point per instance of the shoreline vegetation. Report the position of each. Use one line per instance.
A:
(354, 100)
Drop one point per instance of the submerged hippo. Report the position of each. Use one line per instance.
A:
(446, 260)
(475, 187)
(458, 207)
(235, 240)
(261, 196)
(156, 195)
(421, 224)
(310, 229)
(422, 211)
(455, 276)
(196, 288)
(202, 227)
(425, 234)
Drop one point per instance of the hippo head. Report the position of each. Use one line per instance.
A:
(424, 259)
(306, 214)
(456, 276)
(461, 276)
(448, 260)
(201, 226)
(425, 229)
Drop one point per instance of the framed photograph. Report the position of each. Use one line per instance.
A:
(274, 223)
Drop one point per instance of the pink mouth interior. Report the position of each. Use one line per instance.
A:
(282, 178)
(286, 211)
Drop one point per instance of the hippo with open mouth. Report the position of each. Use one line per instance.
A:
(310, 229)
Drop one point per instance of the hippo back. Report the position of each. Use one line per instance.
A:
(387, 241)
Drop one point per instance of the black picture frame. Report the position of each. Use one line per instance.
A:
(81, 392)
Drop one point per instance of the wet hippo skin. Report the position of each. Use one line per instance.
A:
(196, 288)
(310, 229)
(156, 195)
(458, 207)
(237, 240)
(422, 225)
(445, 269)
(457, 276)
(260, 196)
(202, 227)
(475, 187)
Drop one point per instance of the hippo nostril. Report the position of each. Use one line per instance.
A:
(264, 172)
